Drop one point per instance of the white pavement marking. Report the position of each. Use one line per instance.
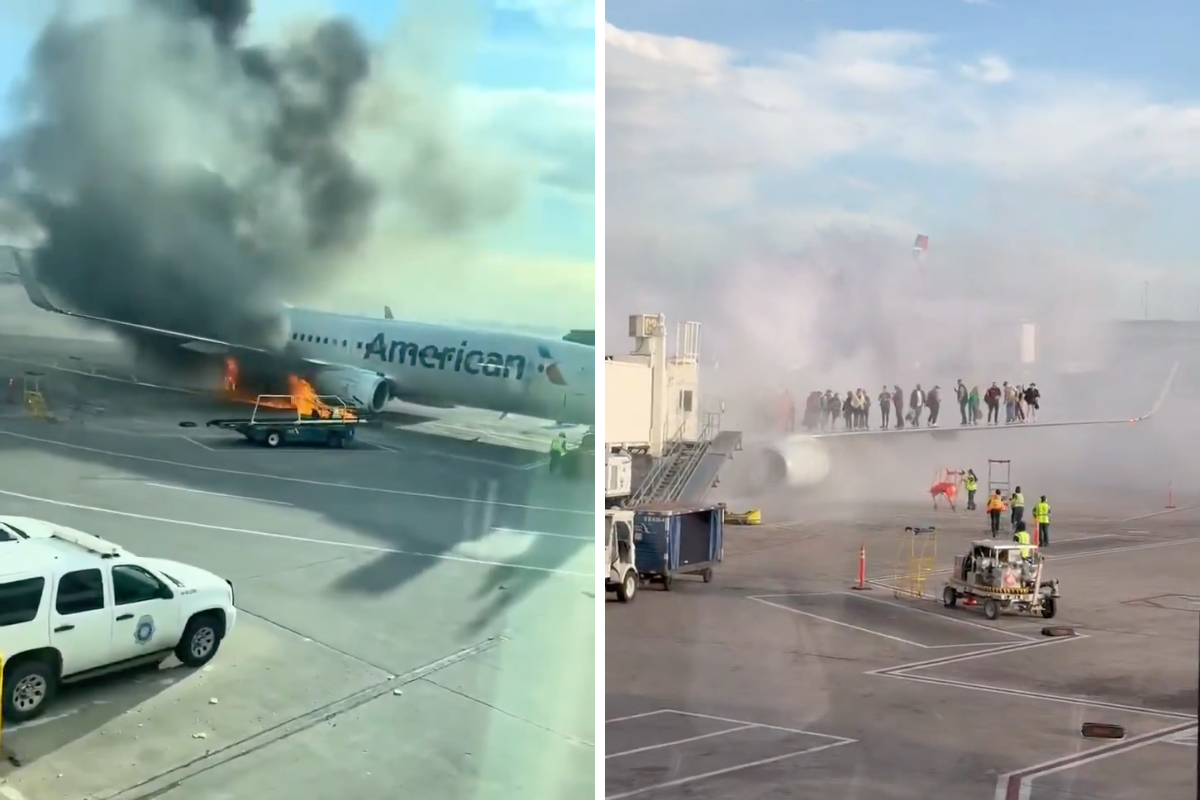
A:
(10, 793)
(289, 479)
(219, 494)
(836, 741)
(859, 628)
(1053, 559)
(716, 773)
(200, 444)
(1160, 513)
(943, 617)
(1019, 785)
(287, 537)
(677, 742)
(523, 532)
(34, 723)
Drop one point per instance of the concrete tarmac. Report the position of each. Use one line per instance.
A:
(418, 612)
(780, 680)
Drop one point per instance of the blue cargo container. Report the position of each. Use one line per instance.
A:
(674, 541)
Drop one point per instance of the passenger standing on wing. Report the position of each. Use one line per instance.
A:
(558, 449)
(1019, 396)
(971, 484)
(1017, 501)
(934, 401)
(898, 402)
(973, 406)
(995, 507)
(1032, 399)
(866, 412)
(992, 398)
(916, 401)
(848, 411)
(1010, 398)
(1041, 515)
(885, 407)
(829, 409)
(961, 395)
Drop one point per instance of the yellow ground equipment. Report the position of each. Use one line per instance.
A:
(916, 558)
(751, 517)
(35, 401)
(1003, 575)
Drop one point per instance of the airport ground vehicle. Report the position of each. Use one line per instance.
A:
(998, 574)
(620, 568)
(75, 606)
(678, 540)
(331, 423)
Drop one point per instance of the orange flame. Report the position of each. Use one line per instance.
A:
(302, 397)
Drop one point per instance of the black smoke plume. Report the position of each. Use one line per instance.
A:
(179, 176)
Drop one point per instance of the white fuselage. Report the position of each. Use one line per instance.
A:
(507, 372)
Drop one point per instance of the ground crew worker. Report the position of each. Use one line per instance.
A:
(1018, 508)
(1021, 537)
(558, 449)
(971, 484)
(1041, 515)
(995, 507)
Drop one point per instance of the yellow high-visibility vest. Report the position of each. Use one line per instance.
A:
(1018, 500)
(1022, 537)
(972, 484)
(1041, 512)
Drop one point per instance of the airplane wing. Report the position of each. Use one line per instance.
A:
(1162, 396)
(38, 297)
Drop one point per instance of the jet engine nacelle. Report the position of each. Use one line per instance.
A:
(357, 388)
(797, 461)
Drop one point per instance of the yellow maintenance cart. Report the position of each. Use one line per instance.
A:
(916, 558)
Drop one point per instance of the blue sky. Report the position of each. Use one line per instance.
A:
(1073, 123)
(528, 88)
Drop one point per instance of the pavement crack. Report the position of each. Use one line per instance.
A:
(165, 782)
(565, 736)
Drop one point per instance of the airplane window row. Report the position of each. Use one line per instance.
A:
(302, 337)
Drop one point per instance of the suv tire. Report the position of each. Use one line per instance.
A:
(200, 641)
(29, 687)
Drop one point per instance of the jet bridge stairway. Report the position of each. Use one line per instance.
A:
(689, 469)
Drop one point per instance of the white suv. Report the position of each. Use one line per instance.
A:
(74, 606)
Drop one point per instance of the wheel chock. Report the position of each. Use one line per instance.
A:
(1102, 730)
(1057, 630)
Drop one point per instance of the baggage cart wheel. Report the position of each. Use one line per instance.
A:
(273, 439)
(1049, 607)
(627, 588)
(949, 597)
(1102, 730)
(707, 575)
(991, 609)
(667, 581)
(335, 440)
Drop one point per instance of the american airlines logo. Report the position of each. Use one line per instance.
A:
(463, 358)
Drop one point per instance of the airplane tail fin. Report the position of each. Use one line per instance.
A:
(28, 280)
(387, 312)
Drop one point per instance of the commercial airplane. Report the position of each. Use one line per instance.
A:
(803, 459)
(367, 362)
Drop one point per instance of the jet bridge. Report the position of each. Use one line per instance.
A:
(653, 417)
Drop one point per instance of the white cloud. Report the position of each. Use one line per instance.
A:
(989, 69)
(688, 104)
(751, 190)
